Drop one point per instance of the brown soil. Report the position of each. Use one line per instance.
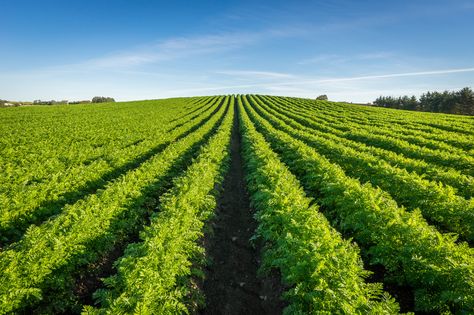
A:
(231, 285)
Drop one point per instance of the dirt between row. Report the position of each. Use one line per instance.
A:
(232, 285)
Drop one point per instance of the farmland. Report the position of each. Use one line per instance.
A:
(235, 204)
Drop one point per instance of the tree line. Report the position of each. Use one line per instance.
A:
(95, 99)
(449, 102)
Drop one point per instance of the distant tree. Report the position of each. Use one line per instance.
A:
(387, 101)
(80, 102)
(323, 97)
(102, 99)
(456, 102)
(465, 101)
(412, 103)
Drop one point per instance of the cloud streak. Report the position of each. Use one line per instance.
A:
(273, 85)
(255, 74)
(396, 75)
(172, 49)
(340, 59)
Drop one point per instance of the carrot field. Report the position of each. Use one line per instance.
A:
(208, 205)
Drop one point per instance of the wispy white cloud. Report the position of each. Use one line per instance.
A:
(395, 75)
(156, 69)
(249, 74)
(341, 59)
(153, 53)
(323, 58)
(304, 85)
(375, 55)
(172, 49)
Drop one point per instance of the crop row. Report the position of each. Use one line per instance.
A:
(323, 271)
(464, 184)
(24, 202)
(334, 199)
(154, 275)
(429, 123)
(401, 127)
(437, 203)
(40, 268)
(379, 126)
(413, 253)
(403, 131)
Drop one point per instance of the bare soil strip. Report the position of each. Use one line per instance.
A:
(231, 285)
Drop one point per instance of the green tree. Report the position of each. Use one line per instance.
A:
(102, 99)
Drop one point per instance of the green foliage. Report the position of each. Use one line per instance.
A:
(87, 229)
(321, 123)
(49, 163)
(76, 182)
(438, 203)
(440, 271)
(154, 275)
(102, 99)
(324, 272)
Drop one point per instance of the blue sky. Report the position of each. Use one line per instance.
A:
(142, 49)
